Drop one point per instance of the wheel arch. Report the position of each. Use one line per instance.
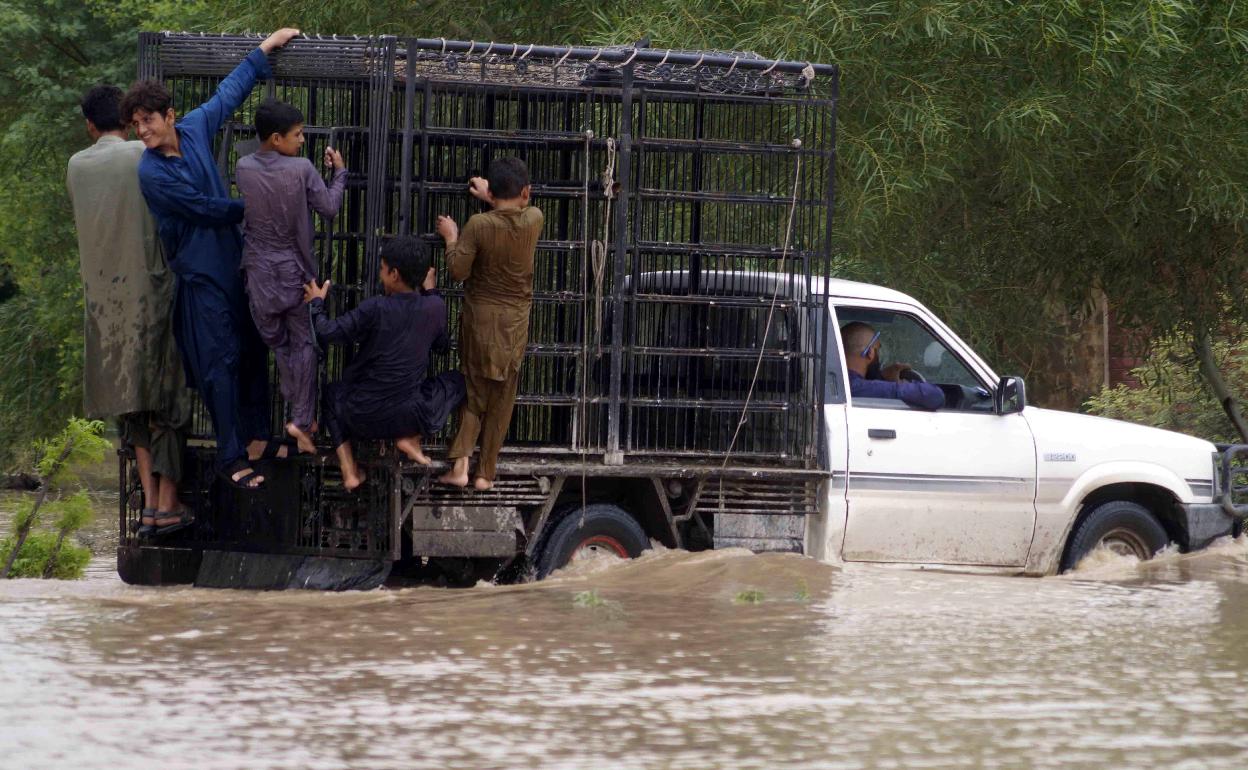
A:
(1158, 500)
(639, 497)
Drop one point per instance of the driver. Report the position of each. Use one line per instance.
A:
(868, 380)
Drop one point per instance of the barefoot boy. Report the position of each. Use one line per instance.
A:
(279, 188)
(385, 391)
(494, 259)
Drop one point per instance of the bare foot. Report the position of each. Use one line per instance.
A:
(412, 448)
(352, 481)
(457, 476)
(454, 479)
(482, 485)
(302, 439)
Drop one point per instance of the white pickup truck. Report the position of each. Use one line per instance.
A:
(988, 482)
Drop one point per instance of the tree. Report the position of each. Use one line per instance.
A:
(78, 445)
(54, 51)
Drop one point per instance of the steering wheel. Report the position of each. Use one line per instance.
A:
(911, 375)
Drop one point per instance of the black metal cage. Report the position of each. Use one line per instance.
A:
(679, 285)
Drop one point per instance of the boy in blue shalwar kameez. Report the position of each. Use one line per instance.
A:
(224, 356)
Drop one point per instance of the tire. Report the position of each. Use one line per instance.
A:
(1122, 526)
(598, 527)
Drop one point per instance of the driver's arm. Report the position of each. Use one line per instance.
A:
(921, 394)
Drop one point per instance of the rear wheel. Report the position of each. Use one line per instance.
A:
(596, 531)
(1121, 526)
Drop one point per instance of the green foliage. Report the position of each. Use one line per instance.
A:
(71, 560)
(802, 594)
(80, 444)
(24, 517)
(54, 51)
(1172, 394)
(749, 596)
(1000, 161)
(72, 513)
(588, 598)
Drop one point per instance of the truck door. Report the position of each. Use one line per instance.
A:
(951, 486)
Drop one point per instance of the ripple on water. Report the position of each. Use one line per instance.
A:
(1118, 665)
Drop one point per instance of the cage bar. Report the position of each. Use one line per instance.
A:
(677, 309)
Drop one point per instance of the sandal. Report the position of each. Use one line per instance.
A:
(184, 519)
(244, 483)
(272, 447)
(140, 529)
(146, 513)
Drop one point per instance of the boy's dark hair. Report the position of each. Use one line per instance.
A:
(507, 177)
(410, 256)
(276, 117)
(102, 106)
(146, 95)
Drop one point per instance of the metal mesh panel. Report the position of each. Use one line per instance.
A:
(687, 199)
(339, 85)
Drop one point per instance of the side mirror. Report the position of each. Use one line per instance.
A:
(1010, 396)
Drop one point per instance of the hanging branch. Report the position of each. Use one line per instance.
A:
(1213, 375)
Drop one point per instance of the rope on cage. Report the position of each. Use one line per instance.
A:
(599, 250)
(627, 61)
(771, 312)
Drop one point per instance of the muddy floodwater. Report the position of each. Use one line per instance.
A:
(676, 660)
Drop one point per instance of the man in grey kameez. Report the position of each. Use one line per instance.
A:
(132, 371)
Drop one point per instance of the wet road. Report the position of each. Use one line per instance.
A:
(676, 660)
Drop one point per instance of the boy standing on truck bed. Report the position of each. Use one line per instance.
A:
(198, 221)
(494, 259)
(385, 391)
(279, 188)
(131, 370)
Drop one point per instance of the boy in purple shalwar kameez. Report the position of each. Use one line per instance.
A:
(280, 190)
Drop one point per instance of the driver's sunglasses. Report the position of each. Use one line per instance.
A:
(866, 352)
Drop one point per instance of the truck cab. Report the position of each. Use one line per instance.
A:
(987, 481)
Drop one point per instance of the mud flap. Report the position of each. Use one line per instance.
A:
(276, 572)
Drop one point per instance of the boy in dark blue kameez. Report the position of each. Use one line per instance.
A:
(225, 358)
(386, 392)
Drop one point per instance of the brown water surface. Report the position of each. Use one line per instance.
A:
(676, 660)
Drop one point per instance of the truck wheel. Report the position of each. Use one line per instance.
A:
(1123, 527)
(597, 529)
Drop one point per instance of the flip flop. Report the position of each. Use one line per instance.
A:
(241, 464)
(185, 519)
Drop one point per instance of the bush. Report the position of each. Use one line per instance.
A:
(1172, 394)
(71, 562)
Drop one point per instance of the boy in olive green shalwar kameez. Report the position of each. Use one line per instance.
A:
(494, 259)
